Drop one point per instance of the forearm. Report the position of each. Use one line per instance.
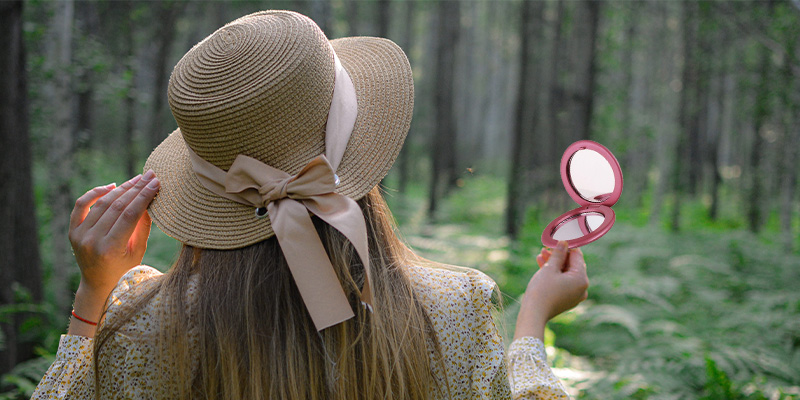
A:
(88, 305)
(530, 320)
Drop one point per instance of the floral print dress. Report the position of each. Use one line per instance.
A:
(458, 302)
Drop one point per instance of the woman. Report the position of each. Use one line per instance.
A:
(291, 283)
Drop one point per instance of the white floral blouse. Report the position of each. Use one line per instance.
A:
(458, 303)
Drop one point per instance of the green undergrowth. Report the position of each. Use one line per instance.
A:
(704, 314)
(711, 312)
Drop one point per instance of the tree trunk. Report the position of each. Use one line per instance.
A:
(129, 102)
(482, 104)
(686, 111)
(555, 99)
(60, 155)
(403, 162)
(554, 104)
(715, 135)
(791, 97)
(164, 36)
(351, 7)
(760, 114)
(654, 58)
(581, 92)
(321, 14)
(443, 151)
(715, 104)
(633, 186)
(18, 238)
(88, 26)
(525, 94)
(383, 18)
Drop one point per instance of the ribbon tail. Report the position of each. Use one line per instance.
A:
(311, 268)
(344, 214)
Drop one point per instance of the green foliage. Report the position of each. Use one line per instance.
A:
(36, 328)
(719, 386)
(709, 313)
(42, 324)
(477, 204)
(22, 380)
(705, 313)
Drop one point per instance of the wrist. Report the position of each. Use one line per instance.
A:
(90, 301)
(530, 322)
(88, 306)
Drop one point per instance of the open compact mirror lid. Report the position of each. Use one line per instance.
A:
(591, 174)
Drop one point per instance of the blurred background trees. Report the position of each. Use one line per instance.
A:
(699, 101)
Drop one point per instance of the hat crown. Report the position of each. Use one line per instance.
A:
(259, 86)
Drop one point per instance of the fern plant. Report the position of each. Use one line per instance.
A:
(22, 380)
(697, 316)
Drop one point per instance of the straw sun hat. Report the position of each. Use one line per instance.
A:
(262, 86)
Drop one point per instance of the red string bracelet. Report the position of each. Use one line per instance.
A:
(83, 319)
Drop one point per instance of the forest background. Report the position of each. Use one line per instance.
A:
(695, 291)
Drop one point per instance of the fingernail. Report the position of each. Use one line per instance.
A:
(149, 175)
(562, 245)
(135, 179)
(111, 185)
(154, 184)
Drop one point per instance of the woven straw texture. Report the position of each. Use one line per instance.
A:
(262, 86)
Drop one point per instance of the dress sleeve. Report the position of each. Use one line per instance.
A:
(72, 374)
(523, 374)
(528, 373)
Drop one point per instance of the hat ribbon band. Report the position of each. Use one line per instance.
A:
(289, 199)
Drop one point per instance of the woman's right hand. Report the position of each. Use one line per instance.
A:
(560, 284)
(109, 227)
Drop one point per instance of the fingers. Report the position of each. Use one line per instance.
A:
(558, 257)
(141, 233)
(85, 202)
(577, 269)
(576, 261)
(119, 208)
(102, 205)
(543, 256)
(134, 222)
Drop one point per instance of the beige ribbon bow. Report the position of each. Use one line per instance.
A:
(288, 200)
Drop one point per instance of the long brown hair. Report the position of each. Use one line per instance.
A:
(247, 334)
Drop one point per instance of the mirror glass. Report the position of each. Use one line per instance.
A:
(591, 176)
(578, 226)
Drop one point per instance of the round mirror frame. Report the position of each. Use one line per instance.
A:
(612, 161)
(608, 222)
(603, 207)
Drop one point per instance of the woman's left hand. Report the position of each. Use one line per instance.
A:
(108, 230)
(559, 285)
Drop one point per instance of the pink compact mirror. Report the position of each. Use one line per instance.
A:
(593, 178)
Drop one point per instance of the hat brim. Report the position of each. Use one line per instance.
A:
(185, 210)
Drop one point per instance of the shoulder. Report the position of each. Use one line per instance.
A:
(458, 302)
(138, 276)
(130, 293)
(452, 286)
